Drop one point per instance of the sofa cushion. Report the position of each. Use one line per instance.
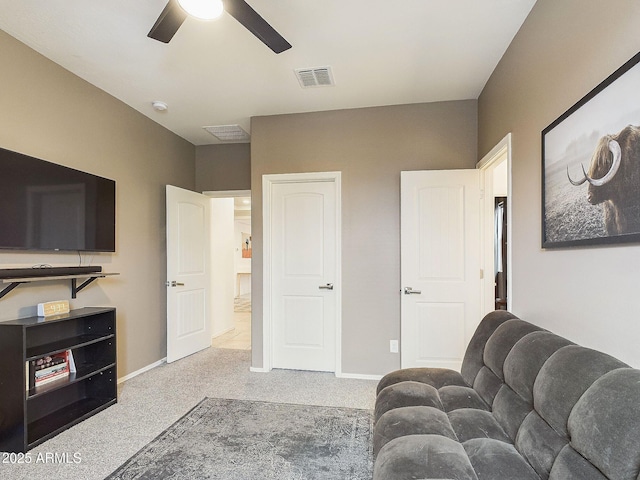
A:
(473, 357)
(406, 394)
(605, 423)
(526, 358)
(454, 397)
(421, 457)
(487, 385)
(570, 465)
(502, 341)
(509, 409)
(410, 421)
(539, 443)
(436, 377)
(469, 423)
(495, 460)
(564, 378)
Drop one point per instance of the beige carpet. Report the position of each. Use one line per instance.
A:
(149, 403)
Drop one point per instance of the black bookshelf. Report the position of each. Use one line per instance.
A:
(30, 416)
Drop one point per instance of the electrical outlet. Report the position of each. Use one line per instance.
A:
(393, 346)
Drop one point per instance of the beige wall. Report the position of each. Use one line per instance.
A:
(51, 114)
(223, 167)
(563, 50)
(370, 147)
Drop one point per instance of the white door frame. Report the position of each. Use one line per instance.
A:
(267, 183)
(497, 155)
(227, 193)
(223, 194)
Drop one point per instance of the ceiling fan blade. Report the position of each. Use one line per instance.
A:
(168, 22)
(252, 21)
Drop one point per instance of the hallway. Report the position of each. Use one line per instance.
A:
(240, 337)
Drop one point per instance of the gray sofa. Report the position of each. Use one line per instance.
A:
(527, 404)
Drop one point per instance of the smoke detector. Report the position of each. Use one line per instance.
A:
(229, 133)
(315, 77)
(159, 106)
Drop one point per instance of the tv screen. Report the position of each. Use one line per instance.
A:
(45, 206)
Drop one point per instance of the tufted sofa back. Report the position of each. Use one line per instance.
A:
(603, 427)
(514, 400)
(473, 360)
(560, 384)
(526, 399)
(560, 403)
(490, 378)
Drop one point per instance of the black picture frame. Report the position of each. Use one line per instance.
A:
(576, 211)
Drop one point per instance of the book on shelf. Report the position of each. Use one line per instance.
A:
(48, 362)
(49, 368)
(55, 370)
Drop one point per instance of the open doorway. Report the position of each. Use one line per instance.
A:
(498, 170)
(233, 221)
(496, 227)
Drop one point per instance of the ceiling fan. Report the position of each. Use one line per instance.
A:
(174, 15)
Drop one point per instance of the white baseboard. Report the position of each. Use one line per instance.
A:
(359, 376)
(355, 376)
(142, 370)
(222, 332)
(259, 369)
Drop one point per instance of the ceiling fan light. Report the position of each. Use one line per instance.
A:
(202, 9)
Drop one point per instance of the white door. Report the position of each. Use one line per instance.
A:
(188, 272)
(303, 272)
(440, 266)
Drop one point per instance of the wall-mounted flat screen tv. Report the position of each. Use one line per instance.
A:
(45, 206)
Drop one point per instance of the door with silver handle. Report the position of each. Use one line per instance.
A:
(328, 286)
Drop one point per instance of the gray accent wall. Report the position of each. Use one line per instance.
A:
(52, 114)
(563, 50)
(370, 146)
(223, 167)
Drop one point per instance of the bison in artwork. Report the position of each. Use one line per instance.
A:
(614, 180)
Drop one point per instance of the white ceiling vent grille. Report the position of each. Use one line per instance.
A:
(229, 133)
(315, 77)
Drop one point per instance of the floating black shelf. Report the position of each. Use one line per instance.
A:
(13, 282)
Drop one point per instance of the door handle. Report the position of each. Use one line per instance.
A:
(411, 291)
(328, 286)
(173, 283)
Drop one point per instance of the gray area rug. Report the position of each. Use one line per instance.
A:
(245, 440)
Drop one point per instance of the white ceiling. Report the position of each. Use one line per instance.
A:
(218, 73)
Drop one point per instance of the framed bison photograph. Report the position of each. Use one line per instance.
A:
(591, 166)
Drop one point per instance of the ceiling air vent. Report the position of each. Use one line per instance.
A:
(228, 133)
(315, 77)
